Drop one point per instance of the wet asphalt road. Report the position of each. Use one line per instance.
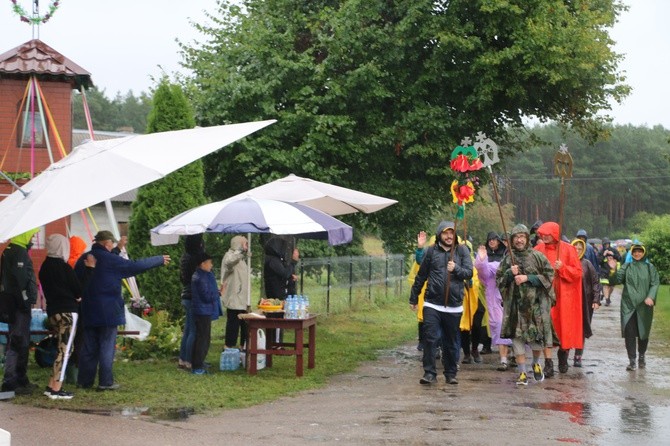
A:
(383, 403)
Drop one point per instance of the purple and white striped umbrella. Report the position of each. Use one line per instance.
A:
(254, 215)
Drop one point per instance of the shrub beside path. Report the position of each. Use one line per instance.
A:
(383, 403)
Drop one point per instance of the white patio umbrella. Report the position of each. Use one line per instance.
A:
(238, 215)
(98, 170)
(243, 214)
(328, 198)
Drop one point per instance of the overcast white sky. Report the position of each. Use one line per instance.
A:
(122, 43)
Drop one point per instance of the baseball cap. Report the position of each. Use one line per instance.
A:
(102, 236)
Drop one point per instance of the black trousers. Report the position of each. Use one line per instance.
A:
(470, 340)
(234, 325)
(203, 333)
(631, 332)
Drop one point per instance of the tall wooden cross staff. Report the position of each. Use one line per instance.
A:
(563, 169)
(488, 153)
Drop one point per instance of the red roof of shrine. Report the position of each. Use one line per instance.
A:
(36, 57)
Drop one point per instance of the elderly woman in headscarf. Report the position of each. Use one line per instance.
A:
(590, 295)
(235, 289)
(640, 285)
(63, 293)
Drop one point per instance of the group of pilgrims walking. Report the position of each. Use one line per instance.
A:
(534, 290)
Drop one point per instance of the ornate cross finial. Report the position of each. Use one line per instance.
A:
(465, 142)
(563, 162)
(487, 150)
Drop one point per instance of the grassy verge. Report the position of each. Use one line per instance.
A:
(661, 325)
(343, 342)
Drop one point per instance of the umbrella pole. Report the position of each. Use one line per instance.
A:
(113, 225)
(248, 271)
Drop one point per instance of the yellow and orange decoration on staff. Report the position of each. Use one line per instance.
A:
(464, 162)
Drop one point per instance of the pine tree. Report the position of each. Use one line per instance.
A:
(163, 199)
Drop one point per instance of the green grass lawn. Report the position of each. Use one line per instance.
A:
(661, 325)
(343, 342)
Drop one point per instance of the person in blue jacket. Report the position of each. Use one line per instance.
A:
(102, 307)
(205, 304)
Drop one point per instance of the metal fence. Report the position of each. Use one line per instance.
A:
(336, 284)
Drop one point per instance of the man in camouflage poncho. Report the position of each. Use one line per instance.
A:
(527, 292)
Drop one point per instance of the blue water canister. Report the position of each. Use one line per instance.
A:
(230, 360)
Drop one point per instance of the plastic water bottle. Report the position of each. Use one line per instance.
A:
(306, 299)
(294, 307)
(288, 307)
(301, 307)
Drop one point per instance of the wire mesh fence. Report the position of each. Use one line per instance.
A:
(335, 284)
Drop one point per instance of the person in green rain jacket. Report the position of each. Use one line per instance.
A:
(640, 286)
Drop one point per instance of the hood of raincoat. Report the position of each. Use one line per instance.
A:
(638, 245)
(537, 224)
(58, 246)
(549, 228)
(443, 226)
(237, 242)
(193, 244)
(77, 248)
(23, 239)
(493, 235)
(276, 247)
(581, 242)
(520, 229)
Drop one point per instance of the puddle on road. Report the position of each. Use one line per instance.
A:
(633, 421)
(177, 414)
(579, 412)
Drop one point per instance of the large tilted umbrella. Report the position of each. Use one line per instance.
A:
(98, 170)
(240, 215)
(328, 198)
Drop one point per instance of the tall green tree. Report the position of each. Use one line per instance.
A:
(617, 184)
(165, 198)
(374, 94)
(124, 112)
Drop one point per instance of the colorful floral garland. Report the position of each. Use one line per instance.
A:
(23, 15)
(464, 162)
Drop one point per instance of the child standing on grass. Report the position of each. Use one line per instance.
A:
(205, 306)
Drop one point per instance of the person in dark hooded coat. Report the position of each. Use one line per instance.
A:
(193, 248)
(278, 272)
(534, 237)
(590, 295)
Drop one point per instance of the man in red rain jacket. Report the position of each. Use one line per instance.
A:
(567, 313)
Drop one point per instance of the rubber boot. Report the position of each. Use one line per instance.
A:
(548, 368)
(562, 360)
